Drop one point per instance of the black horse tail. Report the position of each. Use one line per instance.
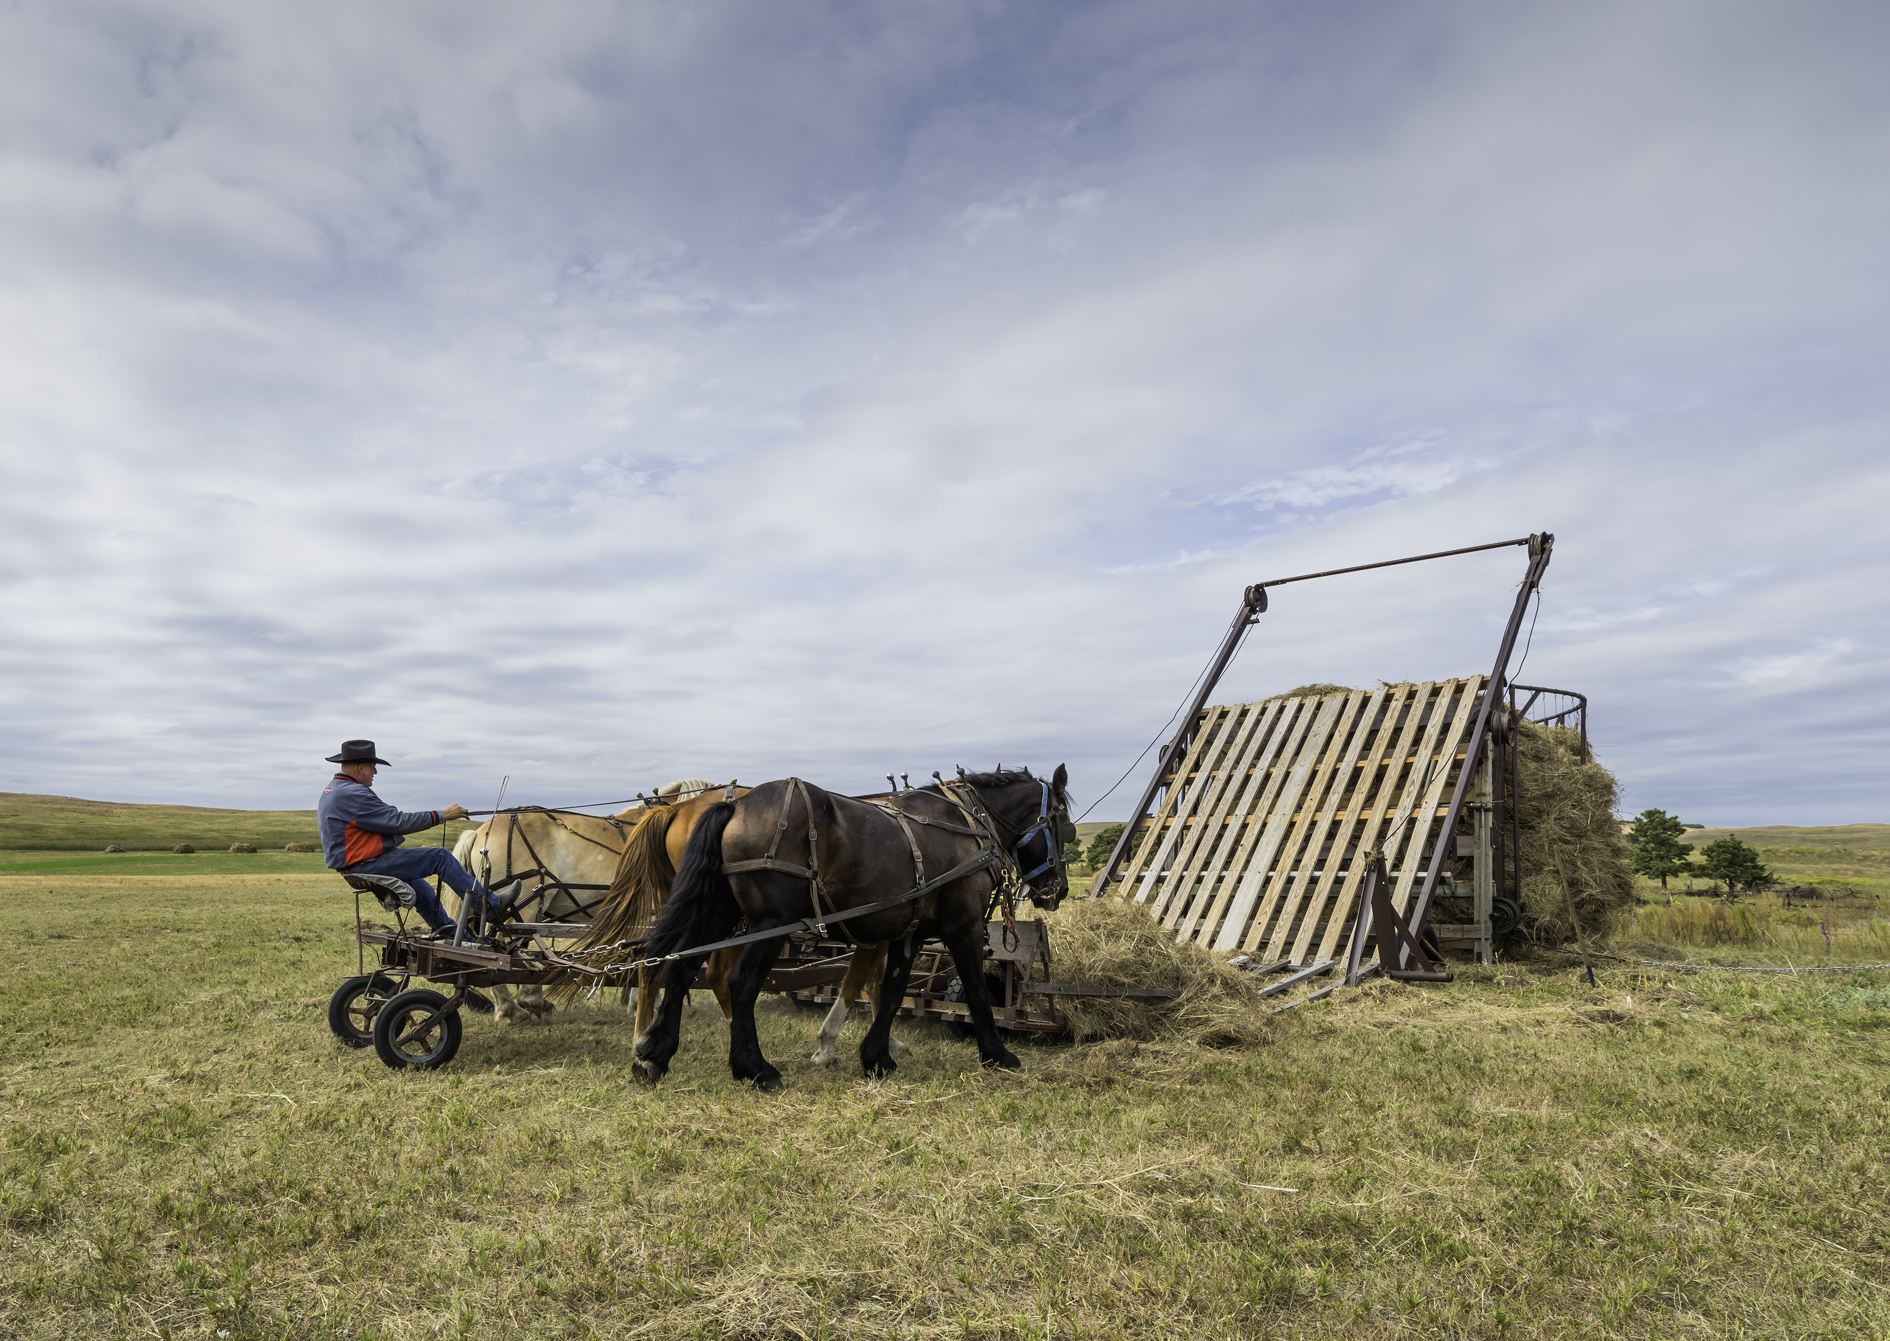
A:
(698, 890)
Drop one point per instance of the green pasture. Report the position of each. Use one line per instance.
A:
(36, 823)
(189, 1153)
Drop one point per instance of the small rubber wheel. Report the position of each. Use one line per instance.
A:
(1505, 917)
(404, 1036)
(351, 1010)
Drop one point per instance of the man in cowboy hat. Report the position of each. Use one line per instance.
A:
(361, 836)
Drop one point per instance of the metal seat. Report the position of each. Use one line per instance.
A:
(393, 892)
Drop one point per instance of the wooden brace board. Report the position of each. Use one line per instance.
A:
(1255, 844)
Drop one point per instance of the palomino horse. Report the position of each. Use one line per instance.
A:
(848, 860)
(640, 888)
(560, 850)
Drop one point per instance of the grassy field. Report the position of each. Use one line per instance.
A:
(189, 1153)
(30, 822)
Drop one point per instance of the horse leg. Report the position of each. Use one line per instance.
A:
(967, 947)
(862, 974)
(721, 964)
(875, 974)
(745, 1061)
(876, 1057)
(657, 1044)
(532, 998)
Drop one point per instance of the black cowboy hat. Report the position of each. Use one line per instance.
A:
(357, 752)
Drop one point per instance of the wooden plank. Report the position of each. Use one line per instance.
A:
(1244, 750)
(1251, 806)
(1235, 898)
(1258, 896)
(1417, 842)
(1324, 790)
(1146, 860)
(1378, 783)
(1427, 763)
(1347, 817)
(1210, 783)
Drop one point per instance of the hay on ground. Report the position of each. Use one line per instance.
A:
(1577, 882)
(1108, 942)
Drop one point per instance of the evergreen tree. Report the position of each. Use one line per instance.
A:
(1655, 845)
(1104, 843)
(1730, 860)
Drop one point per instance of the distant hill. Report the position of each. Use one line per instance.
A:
(66, 823)
(1848, 837)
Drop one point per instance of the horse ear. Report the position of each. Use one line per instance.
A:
(1061, 778)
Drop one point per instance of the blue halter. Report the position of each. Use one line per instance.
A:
(1046, 825)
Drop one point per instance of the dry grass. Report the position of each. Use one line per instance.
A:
(1837, 926)
(1112, 943)
(1577, 883)
(187, 1151)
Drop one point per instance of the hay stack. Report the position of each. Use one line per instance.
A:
(298, 847)
(1577, 883)
(1108, 942)
(242, 847)
(183, 849)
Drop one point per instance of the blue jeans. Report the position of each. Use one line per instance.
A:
(414, 865)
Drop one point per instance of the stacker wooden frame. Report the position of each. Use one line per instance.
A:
(1271, 827)
(1254, 845)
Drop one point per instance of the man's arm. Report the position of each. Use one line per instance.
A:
(365, 810)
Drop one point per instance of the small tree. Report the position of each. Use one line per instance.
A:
(1104, 843)
(1730, 860)
(1656, 849)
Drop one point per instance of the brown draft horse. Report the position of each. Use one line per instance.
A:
(843, 854)
(639, 889)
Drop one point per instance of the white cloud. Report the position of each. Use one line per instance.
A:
(608, 394)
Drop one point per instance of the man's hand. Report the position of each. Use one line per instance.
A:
(453, 812)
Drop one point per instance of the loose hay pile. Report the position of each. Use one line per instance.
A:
(1110, 943)
(1577, 883)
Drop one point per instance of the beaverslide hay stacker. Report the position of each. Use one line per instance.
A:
(1299, 830)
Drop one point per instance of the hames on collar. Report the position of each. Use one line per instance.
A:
(358, 752)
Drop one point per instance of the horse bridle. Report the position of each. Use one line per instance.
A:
(1053, 822)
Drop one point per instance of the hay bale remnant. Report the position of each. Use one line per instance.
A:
(183, 849)
(1111, 943)
(113, 847)
(298, 847)
(242, 847)
(1577, 880)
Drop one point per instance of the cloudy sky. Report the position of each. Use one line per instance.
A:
(598, 393)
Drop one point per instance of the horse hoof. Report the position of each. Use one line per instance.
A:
(647, 1073)
(823, 1058)
(768, 1083)
(880, 1069)
(894, 1047)
(1004, 1061)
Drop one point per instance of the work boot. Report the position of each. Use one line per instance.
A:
(498, 906)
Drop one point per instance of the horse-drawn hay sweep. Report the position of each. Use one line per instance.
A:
(991, 840)
(1293, 833)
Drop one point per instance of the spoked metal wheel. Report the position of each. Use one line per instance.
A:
(415, 1029)
(351, 1010)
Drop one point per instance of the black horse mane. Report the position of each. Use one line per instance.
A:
(1003, 777)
